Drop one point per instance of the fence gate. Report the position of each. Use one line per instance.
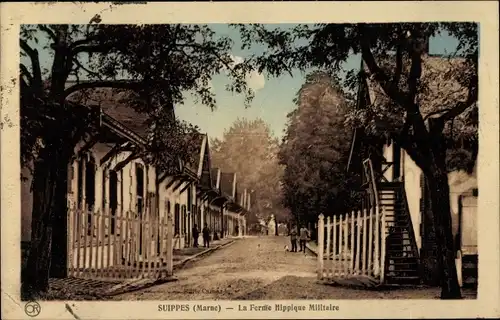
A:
(352, 245)
(118, 245)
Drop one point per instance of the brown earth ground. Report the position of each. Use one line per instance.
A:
(258, 268)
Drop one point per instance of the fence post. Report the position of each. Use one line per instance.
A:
(346, 244)
(376, 262)
(383, 242)
(363, 258)
(341, 249)
(328, 237)
(358, 242)
(321, 235)
(334, 261)
(370, 241)
(352, 241)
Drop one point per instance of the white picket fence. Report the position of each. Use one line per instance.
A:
(138, 247)
(352, 244)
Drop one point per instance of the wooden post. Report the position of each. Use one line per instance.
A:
(85, 242)
(102, 231)
(76, 243)
(353, 217)
(358, 242)
(170, 253)
(370, 243)
(328, 236)
(126, 242)
(376, 269)
(346, 244)
(107, 270)
(321, 228)
(363, 259)
(383, 242)
(118, 245)
(334, 260)
(341, 249)
(70, 238)
(162, 246)
(147, 244)
(94, 222)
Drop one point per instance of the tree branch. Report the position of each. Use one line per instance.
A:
(415, 73)
(80, 65)
(25, 72)
(47, 30)
(130, 85)
(463, 105)
(35, 65)
(399, 65)
(392, 92)
(90, 48)
(413, 151)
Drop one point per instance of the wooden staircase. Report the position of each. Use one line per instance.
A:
(402, 259)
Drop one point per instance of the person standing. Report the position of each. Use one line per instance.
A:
(293, 238)
(196, 233)
(206, 236)
(304, 237)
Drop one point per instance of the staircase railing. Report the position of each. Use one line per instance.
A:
(380, 229)
(411, 230)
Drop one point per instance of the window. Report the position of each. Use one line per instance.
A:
(139, 174)
(89, 190)
(103, 191)
(475, 192)
(80, 183)
(113, 198)
(184, 219)
(90, 183)
(177, 219)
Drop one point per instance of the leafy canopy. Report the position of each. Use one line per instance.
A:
(407, 86)
(157, 64)
(249, 149)
(315, 149)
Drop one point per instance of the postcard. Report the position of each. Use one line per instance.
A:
(244, 160)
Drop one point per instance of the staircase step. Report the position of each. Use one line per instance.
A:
(409, 258)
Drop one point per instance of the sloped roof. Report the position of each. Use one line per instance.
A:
(196, 138)
(112, 103)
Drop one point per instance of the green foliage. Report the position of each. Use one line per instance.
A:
(159, 64)
(315, 150)
(406, 86)
(249, 149)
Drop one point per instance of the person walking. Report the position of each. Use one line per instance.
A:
(304, 237)
(206, 236)
(293, 239)
(196, 234)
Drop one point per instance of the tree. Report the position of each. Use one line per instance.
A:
(393, 55)
(156, 64)
(249, 149)
(315, 150)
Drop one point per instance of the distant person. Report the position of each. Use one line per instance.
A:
(196, 233)
(304, 237)
(206, 236)
(293, 238)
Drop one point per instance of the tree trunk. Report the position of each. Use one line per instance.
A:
(439, 190)
(48, 215)
(276, 233)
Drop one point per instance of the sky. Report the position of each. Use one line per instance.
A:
(273, 96)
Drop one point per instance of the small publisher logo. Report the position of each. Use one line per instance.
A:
(32, 308)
